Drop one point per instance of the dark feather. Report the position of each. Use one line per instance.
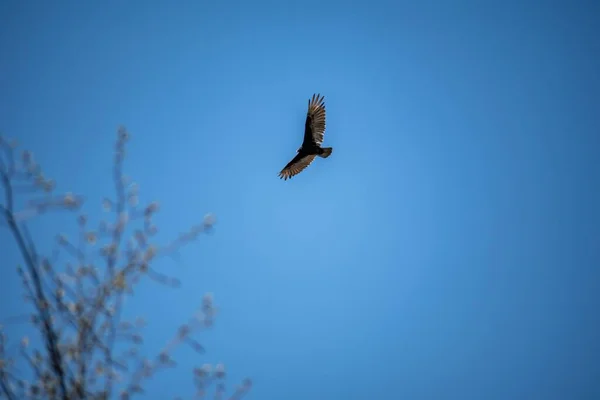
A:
(297, 165)
(314, 127)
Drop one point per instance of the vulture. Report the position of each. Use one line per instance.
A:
(314, 130)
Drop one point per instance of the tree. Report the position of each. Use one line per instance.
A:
(77, 310)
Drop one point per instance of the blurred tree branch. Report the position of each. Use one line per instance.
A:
(77, 310)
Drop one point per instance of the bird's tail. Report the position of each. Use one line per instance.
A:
(326, 152)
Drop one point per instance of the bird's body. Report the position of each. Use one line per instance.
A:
(314, 130)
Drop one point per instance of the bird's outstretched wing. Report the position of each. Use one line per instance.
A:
(297, 165)
(314, 128)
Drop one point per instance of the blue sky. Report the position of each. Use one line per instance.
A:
(448, 249)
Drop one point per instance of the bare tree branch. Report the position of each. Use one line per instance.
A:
(89, 351)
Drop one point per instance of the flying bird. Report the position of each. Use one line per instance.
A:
(314, 129)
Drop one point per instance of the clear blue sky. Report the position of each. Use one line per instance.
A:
(448, 249)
